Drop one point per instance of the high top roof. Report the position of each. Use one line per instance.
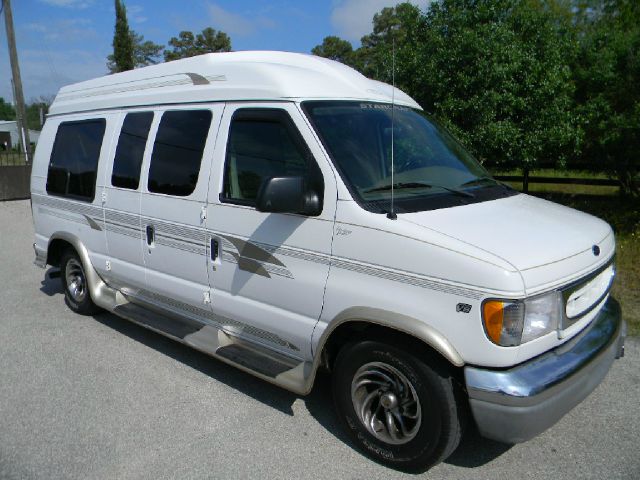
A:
(227, 76)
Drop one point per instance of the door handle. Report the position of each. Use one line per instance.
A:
(150, 235)
(214, 249)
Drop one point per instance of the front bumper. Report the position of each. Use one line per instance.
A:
(516, 404)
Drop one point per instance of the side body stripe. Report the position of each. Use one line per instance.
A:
(254, 257)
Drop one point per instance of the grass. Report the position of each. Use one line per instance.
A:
(623, 214)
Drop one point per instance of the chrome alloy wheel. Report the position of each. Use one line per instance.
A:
(386, 403)
(75, 279)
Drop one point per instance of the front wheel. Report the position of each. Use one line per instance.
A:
(74, 283)
(397, 409)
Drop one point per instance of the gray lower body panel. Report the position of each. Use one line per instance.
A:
(282, 370)
(517, 404)
(41, 256)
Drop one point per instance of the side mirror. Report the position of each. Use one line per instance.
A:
(287, 195)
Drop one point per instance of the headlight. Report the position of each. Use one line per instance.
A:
(512, 322)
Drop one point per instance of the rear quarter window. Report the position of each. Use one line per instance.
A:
(74, 159)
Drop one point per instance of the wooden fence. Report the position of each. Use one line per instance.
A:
(12, 158)
(526, 179)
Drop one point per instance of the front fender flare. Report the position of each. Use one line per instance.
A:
(403, 323)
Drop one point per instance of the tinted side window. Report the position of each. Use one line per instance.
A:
(74, 159)
(177, 152)
(264, 144)
(130, 150)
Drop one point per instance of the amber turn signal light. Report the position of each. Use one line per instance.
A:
(493, 317)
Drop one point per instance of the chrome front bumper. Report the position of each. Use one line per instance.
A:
(516, 404)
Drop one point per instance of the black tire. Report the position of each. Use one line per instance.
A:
(436, 431)
(74, 283)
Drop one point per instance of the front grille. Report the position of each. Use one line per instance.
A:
(584, 295)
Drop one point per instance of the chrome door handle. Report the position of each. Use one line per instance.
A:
(150, 235)
(215, 245)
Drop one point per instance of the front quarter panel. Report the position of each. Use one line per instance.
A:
(384, 265)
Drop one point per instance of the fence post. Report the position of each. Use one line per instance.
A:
(525, 180)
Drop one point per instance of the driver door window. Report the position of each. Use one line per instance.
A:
(263, 143)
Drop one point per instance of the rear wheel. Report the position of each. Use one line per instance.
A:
(74, 283)
(396, 408)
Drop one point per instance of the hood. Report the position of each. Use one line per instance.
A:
(525, 231)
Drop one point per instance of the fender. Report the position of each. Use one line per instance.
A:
(403, 323)
(101, 294)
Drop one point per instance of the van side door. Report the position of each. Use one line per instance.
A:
(268, 270)
(122, 202)
(173, 216)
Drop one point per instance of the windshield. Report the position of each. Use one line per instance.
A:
(431, 169)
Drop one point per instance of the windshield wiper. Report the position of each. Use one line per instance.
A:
(479, 180)
(485, 179)
(405, 185)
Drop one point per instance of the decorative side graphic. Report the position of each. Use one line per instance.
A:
(253, 259)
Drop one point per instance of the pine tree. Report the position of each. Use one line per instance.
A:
(189, 45)
(122, 42)
(145, 52)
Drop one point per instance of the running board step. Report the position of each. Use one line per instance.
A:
(166, 325)
(210, 340)
(254, 360)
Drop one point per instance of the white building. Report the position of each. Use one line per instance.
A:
(9, 134)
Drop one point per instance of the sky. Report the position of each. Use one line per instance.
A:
(66, 41)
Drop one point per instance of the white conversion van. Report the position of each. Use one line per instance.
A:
(283, 213)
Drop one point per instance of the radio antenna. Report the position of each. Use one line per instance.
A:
(392, 213)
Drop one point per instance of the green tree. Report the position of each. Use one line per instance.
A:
(212, 41)
(189, 45)
(395, 32)
(497, 72)
(122, 42)
(7, 112)
(145, 52)
(400, 25)
(183, 46)
(335, 48)
(607, 76)
(34, 108)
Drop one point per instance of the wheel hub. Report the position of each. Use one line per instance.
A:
(76, 283)
(388, 400)
(386, 403)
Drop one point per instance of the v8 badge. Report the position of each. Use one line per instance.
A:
(463, 307)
